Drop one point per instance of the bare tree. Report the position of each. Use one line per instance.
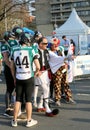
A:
(8, 5)
(13, 12)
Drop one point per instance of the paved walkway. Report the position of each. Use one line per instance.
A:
(71, 117)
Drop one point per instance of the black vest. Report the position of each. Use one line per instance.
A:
(46, 58)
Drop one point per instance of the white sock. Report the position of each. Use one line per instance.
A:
(47, 106)
(35, 94)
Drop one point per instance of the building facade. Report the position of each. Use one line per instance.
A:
(53, 13)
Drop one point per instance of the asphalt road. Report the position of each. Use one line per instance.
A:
(71, 117)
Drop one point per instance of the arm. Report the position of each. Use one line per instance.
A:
(6, 59)
(37, 64)
(13, 71)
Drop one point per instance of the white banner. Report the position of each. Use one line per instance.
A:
(83, 44)
(82, 65)
(70, 71)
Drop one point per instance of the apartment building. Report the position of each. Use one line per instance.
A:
(53, 13)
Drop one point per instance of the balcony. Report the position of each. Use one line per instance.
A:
(64, 1)
(59, 18)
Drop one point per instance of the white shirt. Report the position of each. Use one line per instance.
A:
(55, 61)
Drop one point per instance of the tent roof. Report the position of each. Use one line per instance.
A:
(73, 25)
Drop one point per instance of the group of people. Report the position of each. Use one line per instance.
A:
(30, 63)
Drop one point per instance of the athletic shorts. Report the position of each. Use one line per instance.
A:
(24, 87)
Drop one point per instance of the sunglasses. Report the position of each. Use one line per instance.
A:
(44, 43)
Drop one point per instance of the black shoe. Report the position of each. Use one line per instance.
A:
(54, 113)
(9, 113)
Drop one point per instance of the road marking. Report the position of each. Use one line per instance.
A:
(83, 94)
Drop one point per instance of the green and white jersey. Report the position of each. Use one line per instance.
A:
(23, 58)
(13, 43)
(0, 56)
(5, 48)
(35, 47)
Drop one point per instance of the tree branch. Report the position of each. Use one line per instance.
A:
(7, 10)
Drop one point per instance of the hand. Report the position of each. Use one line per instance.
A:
(37, 73)
(73, 57)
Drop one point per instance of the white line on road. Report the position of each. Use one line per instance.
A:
(83, 94)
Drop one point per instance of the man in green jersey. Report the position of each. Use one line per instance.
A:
(21, 68)
(5, 51)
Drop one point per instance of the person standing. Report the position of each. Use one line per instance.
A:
(36, 37)
(43, 79)
(57, 64)
(66, 44)
(5, 51)
(72, 46)
(23, 75)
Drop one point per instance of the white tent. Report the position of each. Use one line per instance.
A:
(73, 26)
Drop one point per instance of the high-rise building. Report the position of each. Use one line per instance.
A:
(53, 13)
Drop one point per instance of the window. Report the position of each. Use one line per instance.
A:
(88, 23)
(88, 3)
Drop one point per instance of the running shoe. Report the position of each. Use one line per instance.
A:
(9, 113)
(32, 122)
(14, 123)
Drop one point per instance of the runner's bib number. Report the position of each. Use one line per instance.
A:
(23, 66)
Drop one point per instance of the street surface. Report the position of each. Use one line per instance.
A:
(71, 117)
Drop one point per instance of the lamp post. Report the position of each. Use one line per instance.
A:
(55, 24)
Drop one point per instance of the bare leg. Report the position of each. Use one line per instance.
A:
(29, 110)
(16, 109)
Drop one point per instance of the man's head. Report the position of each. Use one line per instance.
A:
(64, 37)
(54, 43)
(7, 35)
(17, 31)
(42, 43)
(25, 39)
(36, 36)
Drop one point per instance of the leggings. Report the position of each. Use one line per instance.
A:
(9, 85)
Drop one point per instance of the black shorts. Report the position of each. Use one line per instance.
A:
(24, 87)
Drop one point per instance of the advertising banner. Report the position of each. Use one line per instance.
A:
(82, 65)
(83, 44)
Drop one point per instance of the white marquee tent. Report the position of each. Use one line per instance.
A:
(73, 26)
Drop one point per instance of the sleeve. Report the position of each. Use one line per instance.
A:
(0, 56)
(4, 48)
(35, 53)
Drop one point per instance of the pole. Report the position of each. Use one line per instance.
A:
(55, 25)
(5, 19)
